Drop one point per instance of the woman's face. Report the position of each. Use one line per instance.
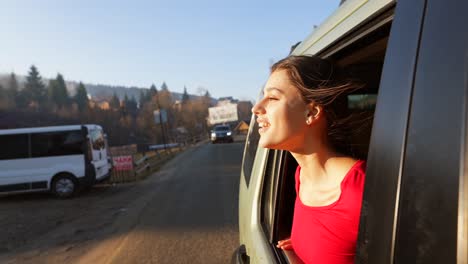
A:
(281, 114)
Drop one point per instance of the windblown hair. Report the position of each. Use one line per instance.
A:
(323, 83)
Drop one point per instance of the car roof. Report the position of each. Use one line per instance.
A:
(344, 19)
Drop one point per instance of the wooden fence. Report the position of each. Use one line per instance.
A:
(137, 166)
(131, 165)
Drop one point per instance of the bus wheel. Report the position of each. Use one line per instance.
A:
(64, 186)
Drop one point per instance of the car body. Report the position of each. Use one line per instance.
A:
(221, 133)
(413, 57)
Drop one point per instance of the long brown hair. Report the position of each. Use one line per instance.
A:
(320, 81)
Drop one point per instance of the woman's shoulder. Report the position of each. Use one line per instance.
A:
(359, 166)
(346, 165)
(356, 173)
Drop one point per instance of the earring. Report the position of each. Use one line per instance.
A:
(308, 121)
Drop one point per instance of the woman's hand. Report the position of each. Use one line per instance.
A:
(285, 244)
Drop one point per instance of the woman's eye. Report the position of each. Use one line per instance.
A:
(272, 99)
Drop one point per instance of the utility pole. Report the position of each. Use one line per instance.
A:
(161, 122)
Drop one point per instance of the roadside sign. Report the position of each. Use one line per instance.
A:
(123, 163)
(222, 114)
(160, 115)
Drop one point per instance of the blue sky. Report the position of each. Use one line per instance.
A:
(224, 47)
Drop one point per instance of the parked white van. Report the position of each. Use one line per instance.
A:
(413, 56)
(61, 159)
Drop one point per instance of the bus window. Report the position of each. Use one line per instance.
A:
(56, 143)
(14, 147)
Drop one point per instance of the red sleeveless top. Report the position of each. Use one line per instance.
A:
(328, 234)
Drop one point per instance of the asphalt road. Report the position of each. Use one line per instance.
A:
(184, 213)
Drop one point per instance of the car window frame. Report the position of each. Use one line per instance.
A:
(379, 213)
(430, 217)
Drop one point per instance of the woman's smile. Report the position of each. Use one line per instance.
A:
(263, 124)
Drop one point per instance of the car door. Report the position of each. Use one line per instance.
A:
(389, 131)
(252, 238)
(432, 211)
(414, 208)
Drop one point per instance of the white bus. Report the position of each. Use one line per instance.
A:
(61, 159)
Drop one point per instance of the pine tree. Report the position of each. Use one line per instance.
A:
(34, 90)
(3, 98)
(132, 106)
(164, 99)
(207, 99)
(12, 91)
(153, 91)
(125, 104)
(81, 97)
(58, 93)
(164, 87)
(52, 92)
(185, 96)
(142, 99)
(114, 102)
(151, 94)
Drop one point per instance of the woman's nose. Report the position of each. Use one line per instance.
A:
(258, 109)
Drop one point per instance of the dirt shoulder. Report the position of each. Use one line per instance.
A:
(38, 228)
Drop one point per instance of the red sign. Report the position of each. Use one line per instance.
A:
(123, 163)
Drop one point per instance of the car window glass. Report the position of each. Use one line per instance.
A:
(251, 145)
(221, 128)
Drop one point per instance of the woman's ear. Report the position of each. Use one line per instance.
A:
(313, 112)
(316, 111)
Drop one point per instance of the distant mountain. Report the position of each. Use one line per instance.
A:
(102, 91)
(98, 91)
